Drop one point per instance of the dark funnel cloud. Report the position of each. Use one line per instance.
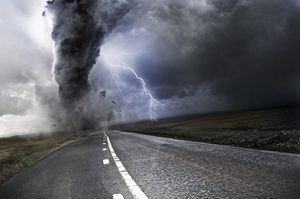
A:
(79, 27)
(77, 39)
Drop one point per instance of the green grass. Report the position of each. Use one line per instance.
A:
(17, 153)
(269, 129)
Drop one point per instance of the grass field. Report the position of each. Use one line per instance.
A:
(17, 153)
(276, 129)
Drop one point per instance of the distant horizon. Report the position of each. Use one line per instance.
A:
(212, 113)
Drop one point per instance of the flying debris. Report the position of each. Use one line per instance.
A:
(44, 14)
(54, 117)
(50, 1)
(80, 108)
(103, 94)
(114, 102)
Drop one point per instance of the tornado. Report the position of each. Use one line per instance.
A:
(77, 38)
(79, 27)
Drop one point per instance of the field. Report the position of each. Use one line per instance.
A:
(17, 153)
(276, 129)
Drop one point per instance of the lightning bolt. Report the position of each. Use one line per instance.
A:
(153, 103)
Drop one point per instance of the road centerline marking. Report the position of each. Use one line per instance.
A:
(118, 196)
(131, 184)
(104, 149)
(106, 161)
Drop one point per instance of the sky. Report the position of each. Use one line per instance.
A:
(156, 59)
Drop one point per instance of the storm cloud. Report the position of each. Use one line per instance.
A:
(25, 61)
(79, 27)
(212, 55)
(78, 31)
(195, 56)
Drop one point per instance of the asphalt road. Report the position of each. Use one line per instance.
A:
(135, 164)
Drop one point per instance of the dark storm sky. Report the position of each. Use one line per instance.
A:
(217, 55)
(195, 56)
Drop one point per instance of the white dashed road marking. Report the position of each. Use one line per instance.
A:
(106, 161)
(118, 196)
(133, 187)
(104, 149)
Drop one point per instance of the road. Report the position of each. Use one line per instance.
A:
(128, 165)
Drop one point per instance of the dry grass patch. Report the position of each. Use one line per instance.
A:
(17, 153)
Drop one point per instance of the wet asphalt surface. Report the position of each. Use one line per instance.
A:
(162, 167)
(74, 172)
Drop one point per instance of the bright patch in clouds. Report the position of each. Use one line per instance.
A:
(26, 58)
(23, 124)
